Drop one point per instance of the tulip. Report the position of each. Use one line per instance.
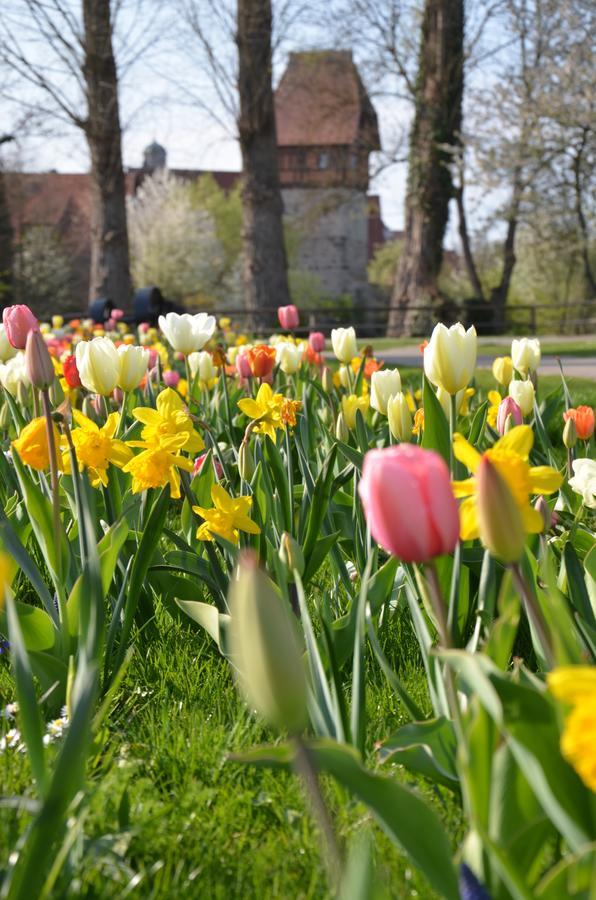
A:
(341, 429)
(70, 372)
(288, 357)
(344, 375)
(508, 415)
(570, 434)
(584, 481)
(343, 341)
(525, 354)
(384, 384)
(503, 370)
(265, 649)
(544, 509)
(13, 375)
(18, 322)
(351, 405)
(57, 322)
(171, 378)
(38, 362)
(408, 502)
(261, 359)
(201, 364)
(583, 417)
(291, 555)
(246, 462)
(133, 366)
(98, 363)
(499, 518)
(327, 380)
(243, 364)
(7, 351)
(288, 317)
(200, 462)
(523, 393)
(316, 340)
(187, 333)
(400, 417)
(450, 357)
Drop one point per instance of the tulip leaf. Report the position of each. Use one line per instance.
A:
(208, 617)
(478, 422)
(436, 427)
(428, 748)
(280, 477)
(37, 628)
(320, 552)
(576, 585)
(10, 542)
(320, 502)
(400, 811)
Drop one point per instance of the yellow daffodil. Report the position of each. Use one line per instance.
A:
(510, 457)
(32, 444)
(418, 426)
(96, 447)
(288, 411)
(265, 409)
(227, 518)
(155, 468)
(494, 399)
(169, 427)
(350, 406)
(576, 685)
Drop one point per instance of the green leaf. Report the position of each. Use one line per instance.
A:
(320, 552)
(478, 422)
(208, 617)
(280, 477)
(428, 748)
(320, 503)
(351, 454)
(576, 585)
(401, 812)
(37, 628)
(13, 546)
(436, 426)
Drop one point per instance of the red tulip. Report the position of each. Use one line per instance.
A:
(408, 502)
(70, 372)
(18, 321)
(316, 341)
(288, 317)
(199, 465)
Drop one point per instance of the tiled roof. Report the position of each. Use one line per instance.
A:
(49, 198)
(321, 101)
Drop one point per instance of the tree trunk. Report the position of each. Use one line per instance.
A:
(589, 277)
(110, 269)
(265, 274)
(436, 128)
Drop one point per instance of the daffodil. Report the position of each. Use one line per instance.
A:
(155, 468)
(227, 517)
(494, 399)
(510, 456)
(32, 444)
(96, 447)
(576, 685)
(169, 427)
(265, 410)
(288, 411)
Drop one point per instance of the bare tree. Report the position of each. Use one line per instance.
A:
(63, 55)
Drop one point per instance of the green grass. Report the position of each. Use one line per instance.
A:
(170, 816)
(487, 346)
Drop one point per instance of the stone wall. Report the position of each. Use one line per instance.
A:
(332, 226)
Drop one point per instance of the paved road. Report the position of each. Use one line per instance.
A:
(573, 366)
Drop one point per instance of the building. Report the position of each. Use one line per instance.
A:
(326, 130)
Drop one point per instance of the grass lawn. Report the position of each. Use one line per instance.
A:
(487, 347)
(170, 817)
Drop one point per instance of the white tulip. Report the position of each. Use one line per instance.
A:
(523, 394)
(343, 341)
(584, 481)
(344, 377)
(400, 417)
(7, 351)
(133, 366)
(288, 357)
(201, 364)
(525, 354)
(187, 333)
(385, 383)
(450, 357)
(98, 363)
(13, 373)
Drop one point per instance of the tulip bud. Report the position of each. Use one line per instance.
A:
(399, 417)
(508, 415)
(499, 519)
(570, 434)
(525, 355)
(22, 392)
(18, 321)
(523, 393)
(384, 384)
(264, 648)
(450, 357)
(4, 416)
(503, 370)
(327, 380)
(316, 340)
(88, 409)
(38, 362)
(291, 555)
(341, 429)
(343, 341)
(246, 462)
(543, 508)
(288, 317)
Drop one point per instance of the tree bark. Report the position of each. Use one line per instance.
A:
(110, 266)
(589, 277)
(265, 274)
(436, 128)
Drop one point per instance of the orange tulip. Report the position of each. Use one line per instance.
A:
(583, 417)
(261, 360)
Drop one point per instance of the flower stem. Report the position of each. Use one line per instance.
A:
(438, 605)
(533, 612)
(452, 427)
(57, 525)
(304, 767)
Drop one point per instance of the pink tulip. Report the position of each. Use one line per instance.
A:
(288, 317)
(110, 324)
(408, 502)
(243, 365)
(508, 407)
(18, 322)
(316, 339)
(199, 465)
(171, 378)
(117, 314)
(144, 327)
